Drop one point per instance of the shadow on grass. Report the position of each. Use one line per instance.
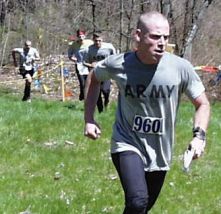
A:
(74, 106)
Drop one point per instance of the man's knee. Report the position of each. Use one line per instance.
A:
(138, 203)
(28, 78)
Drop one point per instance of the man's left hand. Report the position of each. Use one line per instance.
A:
(198, 146)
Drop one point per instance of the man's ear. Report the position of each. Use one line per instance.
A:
(136, 35)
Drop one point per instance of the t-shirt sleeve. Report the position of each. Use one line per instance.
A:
(36, 53)
(194, 85)
(87, 55)
(101, 70)
(84, 54)
(113, 50)
(18, 50)
(70, 52)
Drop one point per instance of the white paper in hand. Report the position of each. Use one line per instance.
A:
(187, 159)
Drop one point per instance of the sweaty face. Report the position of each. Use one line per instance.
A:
(153, 40)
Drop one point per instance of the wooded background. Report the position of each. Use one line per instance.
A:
(49, 24)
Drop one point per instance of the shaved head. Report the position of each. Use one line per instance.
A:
(28, 43)
(147, 19)
(152, 36)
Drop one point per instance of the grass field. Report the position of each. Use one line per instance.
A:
(47, 166)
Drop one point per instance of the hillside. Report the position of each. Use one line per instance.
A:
(50, 24)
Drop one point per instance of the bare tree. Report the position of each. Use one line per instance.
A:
(2, 11)
(48, 23)
(165, 8)
(121, 24)
(188, 39)
(93, 8)
(129, 15)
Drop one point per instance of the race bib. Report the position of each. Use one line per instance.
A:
(148, 125)
(27, 66)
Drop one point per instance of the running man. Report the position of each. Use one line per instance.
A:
(150, 82)
(97, 52)
(76, 53)
(27, 55)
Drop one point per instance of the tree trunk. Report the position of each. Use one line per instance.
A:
(121, 25)
(187, 47)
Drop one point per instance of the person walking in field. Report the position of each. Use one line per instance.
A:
(150, 83)
(27, 57)
(97, 52)
(76, 53)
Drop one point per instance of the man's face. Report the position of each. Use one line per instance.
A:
(81, 37)
(98, 41)
(153, 40)
(27, 46)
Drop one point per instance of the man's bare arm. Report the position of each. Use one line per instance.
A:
(92, 90)
(202, 114)
(14, 58)
(200, 124)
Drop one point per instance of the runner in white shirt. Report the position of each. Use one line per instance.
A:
(150, 82)
(76, 53)
(27, 57)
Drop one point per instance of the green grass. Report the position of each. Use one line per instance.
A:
(198, 191)
(33, 150)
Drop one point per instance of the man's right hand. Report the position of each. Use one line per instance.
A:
(74, 59)
(92, 131)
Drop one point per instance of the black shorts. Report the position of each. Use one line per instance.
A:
(23, 72)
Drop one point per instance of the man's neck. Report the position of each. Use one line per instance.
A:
(145, 59)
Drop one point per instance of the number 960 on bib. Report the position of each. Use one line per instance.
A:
(148, 125)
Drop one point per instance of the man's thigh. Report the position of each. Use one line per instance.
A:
(135, 181)
(131, 172)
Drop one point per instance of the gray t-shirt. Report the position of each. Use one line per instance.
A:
(148, 101)
(96, 54)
